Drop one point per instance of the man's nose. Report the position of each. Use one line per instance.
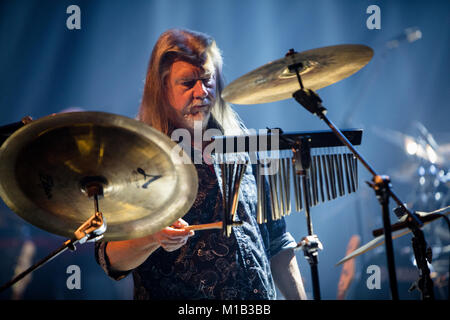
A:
(200, 90)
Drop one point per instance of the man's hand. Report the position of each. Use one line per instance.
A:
(173, 237)
(129, 254)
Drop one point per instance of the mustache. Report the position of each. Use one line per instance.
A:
(198, 106)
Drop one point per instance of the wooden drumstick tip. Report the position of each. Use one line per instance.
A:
(206, 226)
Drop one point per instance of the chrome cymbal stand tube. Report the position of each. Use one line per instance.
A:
(311, 243)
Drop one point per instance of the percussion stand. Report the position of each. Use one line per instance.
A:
(423, 255)
(381, 184)
(311, 243)
(91, 230)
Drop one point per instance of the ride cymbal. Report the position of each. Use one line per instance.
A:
(47, 165)
(321, 67)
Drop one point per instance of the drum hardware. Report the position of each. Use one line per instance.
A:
(325, 148)
(381, 184)
(426, 169)
(398, 228)
(423, 255)
(425, 217)
(315, 157)
(52, 164)
(312, 70)
(422, 252)
(311, 246)
(91, 230)
(302, 164)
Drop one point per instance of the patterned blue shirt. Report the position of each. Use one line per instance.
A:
(210, 265)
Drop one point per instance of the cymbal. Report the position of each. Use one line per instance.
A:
(378, 241)
(46, 165)
(321, 67)
(397, 232)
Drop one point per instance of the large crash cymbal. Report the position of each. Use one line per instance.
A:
(321, 67)
(45, 166)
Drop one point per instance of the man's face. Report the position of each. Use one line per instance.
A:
(191, 92)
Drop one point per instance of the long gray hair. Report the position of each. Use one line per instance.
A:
(199, 49)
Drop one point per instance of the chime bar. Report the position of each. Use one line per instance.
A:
(270, 140)
(331, 171)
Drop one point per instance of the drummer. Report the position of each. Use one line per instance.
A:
(182, 89)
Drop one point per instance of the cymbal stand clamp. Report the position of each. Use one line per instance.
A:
(91, 230)
(423, 256)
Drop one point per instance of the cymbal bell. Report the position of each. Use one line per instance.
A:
(321, 67)
(48, 165)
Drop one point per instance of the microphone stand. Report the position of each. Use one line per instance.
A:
(381, 184)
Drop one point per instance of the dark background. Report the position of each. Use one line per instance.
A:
(46, 68)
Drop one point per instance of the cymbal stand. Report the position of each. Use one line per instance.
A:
(423, 255)
(311, 243)
(91, 230)
(381, 184)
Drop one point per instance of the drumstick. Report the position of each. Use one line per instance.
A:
(206, 226)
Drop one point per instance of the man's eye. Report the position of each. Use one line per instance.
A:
(189, 84)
